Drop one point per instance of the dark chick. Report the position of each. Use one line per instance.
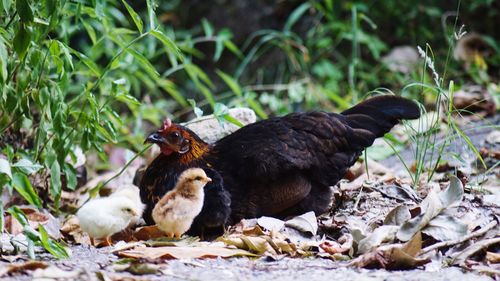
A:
(276, 167)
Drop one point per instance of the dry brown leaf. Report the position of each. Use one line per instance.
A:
(255, 231)
(22, 267)
(431, 207)
(241, 226)
(137, 268)
(486, 270)
(306, 223)
(493, 257)
(343, 245)
(144, 233)
(258, 245)
(34, 217)
(154, 253)
(184, 241)
(384, 233)
(462, 257)
(474, 99)
(270, 223)
(259, 242)
(398, 215)
(401, 193)
(394, 256)
(53, 272)
(72, 231)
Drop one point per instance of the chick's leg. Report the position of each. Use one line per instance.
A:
(178, 235)
(109, 242)
(170, 235)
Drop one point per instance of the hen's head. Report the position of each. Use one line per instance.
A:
(174, 138)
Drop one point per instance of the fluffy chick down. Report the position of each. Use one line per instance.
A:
(177, 209)
(131, 192)
(102, 217)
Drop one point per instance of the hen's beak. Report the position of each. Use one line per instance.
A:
(155, 138)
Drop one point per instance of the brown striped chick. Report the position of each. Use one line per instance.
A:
(177, 209)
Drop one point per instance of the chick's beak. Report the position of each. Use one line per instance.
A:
(208, 179)
(155, 138)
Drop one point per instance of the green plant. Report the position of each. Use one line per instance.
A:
(38, 238)
(71, 74)
(428, 150)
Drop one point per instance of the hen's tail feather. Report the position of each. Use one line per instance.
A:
(379, 114)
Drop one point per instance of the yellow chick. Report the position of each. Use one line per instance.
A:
(176, 210)
(103, 217)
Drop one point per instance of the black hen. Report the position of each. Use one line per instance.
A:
(276, 167)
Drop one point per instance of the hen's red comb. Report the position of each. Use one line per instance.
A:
(166, 124)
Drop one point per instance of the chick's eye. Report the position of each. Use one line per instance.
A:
(198, 178)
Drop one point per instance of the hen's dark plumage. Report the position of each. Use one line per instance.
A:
(276, 167)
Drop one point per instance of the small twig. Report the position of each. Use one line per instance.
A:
(480, 232)
(358, 198)
(461, 258)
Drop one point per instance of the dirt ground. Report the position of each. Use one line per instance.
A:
(88, 263)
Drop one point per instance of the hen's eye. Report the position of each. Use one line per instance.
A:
(175, 135)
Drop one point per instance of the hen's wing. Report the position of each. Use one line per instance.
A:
(322, 145)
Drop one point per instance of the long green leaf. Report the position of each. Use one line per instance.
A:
(22, 40)
(24, 10)
(52, 246)
(22, 185)
(144, 63)
(295, 16)
(168, 43)
(88, 62)
(55, 181)
(135, 17)
(19, 215)
(172, 90)
(4, 61)
(231, 82)
(26, 166)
